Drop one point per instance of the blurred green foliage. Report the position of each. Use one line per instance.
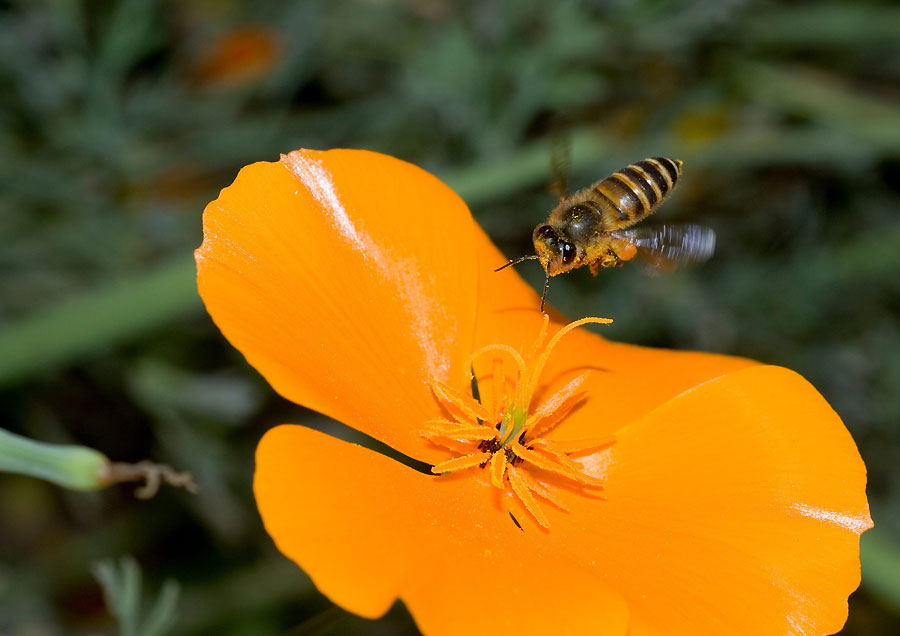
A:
(120, 120)
(122, 591)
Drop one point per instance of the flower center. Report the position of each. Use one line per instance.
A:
(508, 437)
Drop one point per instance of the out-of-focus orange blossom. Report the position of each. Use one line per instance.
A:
(238, 57)
(658, 492)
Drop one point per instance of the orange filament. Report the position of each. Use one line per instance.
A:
(508, 439)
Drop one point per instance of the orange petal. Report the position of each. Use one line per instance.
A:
(735, 508)
(347, 278)
(368, 530)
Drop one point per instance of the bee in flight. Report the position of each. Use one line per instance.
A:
(593, 226)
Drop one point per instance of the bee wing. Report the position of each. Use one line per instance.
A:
(666, 247)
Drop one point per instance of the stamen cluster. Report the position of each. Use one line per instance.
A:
(507, 437)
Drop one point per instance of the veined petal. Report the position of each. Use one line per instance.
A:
(348, 279)
(346, 514)
(734, 508)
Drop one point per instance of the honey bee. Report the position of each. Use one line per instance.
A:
(593, 226)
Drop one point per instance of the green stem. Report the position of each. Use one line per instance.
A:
(75, 467)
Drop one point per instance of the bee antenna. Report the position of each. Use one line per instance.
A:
(544, 295)
(517, 261)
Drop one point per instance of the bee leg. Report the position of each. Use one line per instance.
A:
(610, 259)
(595, 268)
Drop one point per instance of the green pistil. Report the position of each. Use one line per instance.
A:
(517, 416)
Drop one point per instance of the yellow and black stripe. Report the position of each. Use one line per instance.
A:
(636, 190)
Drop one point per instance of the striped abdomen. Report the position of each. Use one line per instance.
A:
(632, 193)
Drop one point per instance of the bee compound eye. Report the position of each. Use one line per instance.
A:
(568, 252)
(545, 233)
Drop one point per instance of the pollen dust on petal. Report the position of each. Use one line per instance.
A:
(507, 437)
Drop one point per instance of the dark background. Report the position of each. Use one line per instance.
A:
(119, 121)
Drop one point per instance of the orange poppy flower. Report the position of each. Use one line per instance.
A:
(592, 487)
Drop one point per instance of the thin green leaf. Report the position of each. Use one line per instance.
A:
(162, 616)
(828, 25)
(99, 318)
(128, 597)
(121, 585)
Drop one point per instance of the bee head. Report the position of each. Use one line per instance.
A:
(556, 253)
